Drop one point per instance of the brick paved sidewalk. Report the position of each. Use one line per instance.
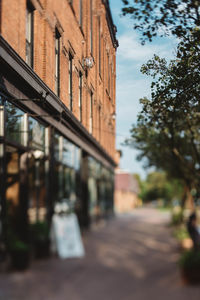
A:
(131, 257)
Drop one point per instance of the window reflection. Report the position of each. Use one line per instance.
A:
(37, 188)
(36, 134)
(56, 147)
(12, 170)
(14, 123)
(67, 163)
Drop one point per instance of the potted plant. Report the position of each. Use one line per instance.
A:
(19, 254)
(40, 236)
(190, 266)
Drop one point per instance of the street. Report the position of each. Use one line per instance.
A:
(130, 257)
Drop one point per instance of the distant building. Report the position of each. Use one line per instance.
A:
(57, 110)
(126, 192)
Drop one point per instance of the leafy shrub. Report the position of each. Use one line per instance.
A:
(181, 233)
(177, 218)
(18, 245)
(190, 259)
(40, 231)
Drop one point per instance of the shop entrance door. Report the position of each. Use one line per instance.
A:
(37, 191)
(12, 179)
(16, 194)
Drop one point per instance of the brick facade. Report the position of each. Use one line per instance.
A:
(64, 16)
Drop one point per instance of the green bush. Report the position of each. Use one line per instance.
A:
(40, 239)
(40, 231)
(18, 245)
(181, 233)
(190, 260)
(177, 218)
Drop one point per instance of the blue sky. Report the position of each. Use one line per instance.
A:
(131, 84)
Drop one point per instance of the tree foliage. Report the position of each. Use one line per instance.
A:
(167, 132)
(158, 186)
(162, 17)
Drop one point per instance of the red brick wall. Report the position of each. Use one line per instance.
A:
(60, 14)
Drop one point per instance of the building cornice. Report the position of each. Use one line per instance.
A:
(111, 26)
(70, 125)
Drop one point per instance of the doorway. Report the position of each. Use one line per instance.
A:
(16, 194)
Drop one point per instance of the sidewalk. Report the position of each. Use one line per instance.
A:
(132, 257)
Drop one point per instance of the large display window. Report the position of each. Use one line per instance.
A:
(93, 168)
(100, 189)
(37, 175)
(24, 172)
(14, 123)
(67, 165)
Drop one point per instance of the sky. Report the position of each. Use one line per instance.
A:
(131, 85)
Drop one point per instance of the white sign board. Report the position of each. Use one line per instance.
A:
(66, 237)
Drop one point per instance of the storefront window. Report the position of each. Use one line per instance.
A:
(67, 182)
(1, 100)
(37, 175)
(92, 189)
(77, 158)
(65, 176)
(67, 165)
(12, 191)
(68, 153)
(36, 134)
(14, 123)
(94, 167)
(37, 189)
(73, 186)
(56, 147)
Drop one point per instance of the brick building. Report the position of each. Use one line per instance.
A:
(57, 110)
(126, 192)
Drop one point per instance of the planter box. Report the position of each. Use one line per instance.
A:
(42, 249)
(191, 275)
(20, 260)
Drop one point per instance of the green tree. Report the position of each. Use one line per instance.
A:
(167, 131)
(158, 186)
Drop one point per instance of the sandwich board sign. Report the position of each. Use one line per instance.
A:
(66, 237)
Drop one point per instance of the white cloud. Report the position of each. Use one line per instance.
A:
(130, 48)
